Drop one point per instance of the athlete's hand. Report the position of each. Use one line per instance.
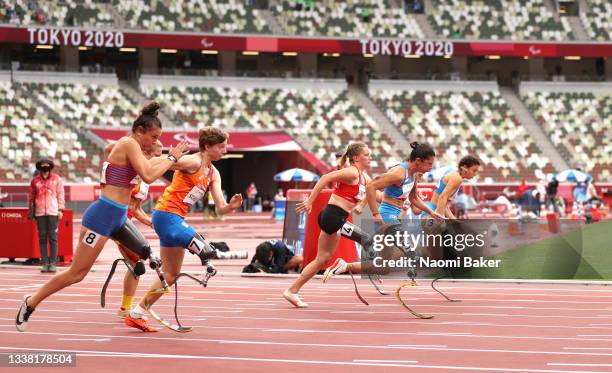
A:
(236, 201)
(180, 150)
(305, 206)
(438, 216)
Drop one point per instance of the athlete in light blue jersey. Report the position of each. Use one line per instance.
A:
(449, 185)
(399, 184)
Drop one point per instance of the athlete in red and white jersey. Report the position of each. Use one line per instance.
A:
(349, 192)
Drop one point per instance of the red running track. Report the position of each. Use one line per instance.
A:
(243, 324)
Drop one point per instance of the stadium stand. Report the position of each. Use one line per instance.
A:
(597, 20)
(579, 124)
(497, 19)
(87, 104)
(464, 122)
(218, 16)
(351, 18)
(27, 124)
(326, 116)
(87, 13)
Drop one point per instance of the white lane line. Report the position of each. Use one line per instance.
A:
(286, 361)
(256, 304)
(594, 335)
(310, 345)
(445, 334)
(85, 339)
(386, 361)
(588, 348)
(418, 346)
(579, 364)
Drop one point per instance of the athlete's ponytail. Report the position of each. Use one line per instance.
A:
(351, 151)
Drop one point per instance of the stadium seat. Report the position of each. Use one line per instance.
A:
(461, 123)
(26, 123)
(578, 124)
(327, 118)
(497, 19)
(192, 15)
(597, 20)
(345, 19)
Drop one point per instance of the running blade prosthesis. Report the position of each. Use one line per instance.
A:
(178, 327)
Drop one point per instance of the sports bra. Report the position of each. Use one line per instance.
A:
(120, 176)
(351, 193)
(401, 192)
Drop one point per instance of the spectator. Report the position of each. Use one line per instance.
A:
(251, 193)
(551, 194)
(273, 256)
(591, 193)
(365, 15)
(46, 199)
(417, 7)
(530, 202)
(279, 196)
(580, 193)
(522, 188)
(2, 196)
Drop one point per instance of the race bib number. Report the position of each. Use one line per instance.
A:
(361, 194)
(347, 229)
(143, 191)
(103, 175)
(136, 180)
(195, 194)
(90, 238)
(406, 188)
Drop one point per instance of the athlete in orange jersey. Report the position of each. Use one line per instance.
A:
(193, 176)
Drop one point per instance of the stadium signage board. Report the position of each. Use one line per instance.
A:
(69, 36)
(390, 47)
(75, 37)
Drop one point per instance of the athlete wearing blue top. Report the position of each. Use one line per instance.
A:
(399, 184)
(449, 185)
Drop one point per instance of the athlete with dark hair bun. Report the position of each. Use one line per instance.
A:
(125, 167)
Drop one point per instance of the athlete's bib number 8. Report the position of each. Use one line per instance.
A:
(90, 238)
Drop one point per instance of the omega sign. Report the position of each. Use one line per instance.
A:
(406, 47)
(76, 38)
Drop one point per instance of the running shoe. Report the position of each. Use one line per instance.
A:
(338, 267)
(139, 323)
(294, 299)
(122, 313)
(23, 315)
